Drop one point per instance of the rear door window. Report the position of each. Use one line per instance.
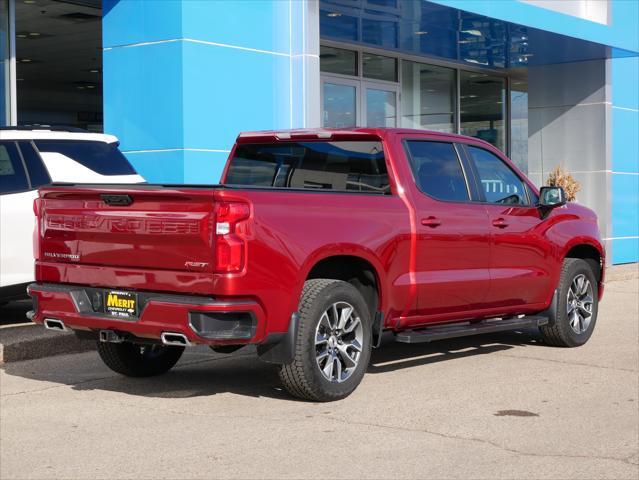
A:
(358, 166)
(102, 158)
(13, 178)
(437, 170)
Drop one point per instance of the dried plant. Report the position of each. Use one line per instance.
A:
(561, 178)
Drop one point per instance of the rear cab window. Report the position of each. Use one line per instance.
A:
(100, 157)
(348, 166)
(13, 177)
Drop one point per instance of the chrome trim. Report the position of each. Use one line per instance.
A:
(177, 340)
(55, 324)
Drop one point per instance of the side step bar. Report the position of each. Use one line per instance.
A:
(441, 332)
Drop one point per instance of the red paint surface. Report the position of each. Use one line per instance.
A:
(463, 267)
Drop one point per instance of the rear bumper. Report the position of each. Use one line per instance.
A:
(203, 320)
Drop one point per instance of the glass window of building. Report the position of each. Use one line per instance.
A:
(428, 97)
(339, 106)
(5, 101)
(482, 107)
(519, 123)
(338, 60)
(381, 108)
(378, 67)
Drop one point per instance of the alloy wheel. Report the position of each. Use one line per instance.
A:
(338, 342)
(579, 304)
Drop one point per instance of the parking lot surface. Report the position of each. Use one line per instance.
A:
(494, 406)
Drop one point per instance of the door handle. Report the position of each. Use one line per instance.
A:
(431, 222)
(500, 223)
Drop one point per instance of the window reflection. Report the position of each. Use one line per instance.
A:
(338, 60)
(482, 107)
(380, 108)
(339, 106)
(4, 63)
(519, 123)
(379, 67)
(428, 97)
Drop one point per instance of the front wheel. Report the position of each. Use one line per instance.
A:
(134, 360)
(577, 306)
(333, 343)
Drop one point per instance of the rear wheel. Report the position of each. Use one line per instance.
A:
(333, 343)
(134, 360)
(577, 306)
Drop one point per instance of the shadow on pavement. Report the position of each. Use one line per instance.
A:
(393, 356)
(204, 373)
(14, 312)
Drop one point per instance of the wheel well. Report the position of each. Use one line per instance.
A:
(354, 270)
(590, 254)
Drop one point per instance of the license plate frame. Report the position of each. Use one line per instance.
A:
(120, 304)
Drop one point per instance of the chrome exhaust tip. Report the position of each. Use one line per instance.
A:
(54, 324)
(175, 339)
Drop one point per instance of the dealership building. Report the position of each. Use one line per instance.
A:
(549, 82)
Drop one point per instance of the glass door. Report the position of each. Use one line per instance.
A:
(379, 104)
(340, 102)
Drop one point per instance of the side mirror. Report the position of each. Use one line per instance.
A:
(551, 197)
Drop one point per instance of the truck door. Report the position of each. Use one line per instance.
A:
(452, 259)
(520, 256)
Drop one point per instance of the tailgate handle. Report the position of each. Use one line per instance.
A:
(116, 200)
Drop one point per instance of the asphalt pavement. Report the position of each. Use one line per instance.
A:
(492, 406)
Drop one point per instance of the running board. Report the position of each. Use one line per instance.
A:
(441, 332)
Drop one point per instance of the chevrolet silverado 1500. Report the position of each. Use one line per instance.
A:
(314, 243)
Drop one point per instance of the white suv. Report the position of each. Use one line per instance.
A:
(30, 158)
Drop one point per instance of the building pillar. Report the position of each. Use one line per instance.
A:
(568, 112)
(624, 78)
(182, 78)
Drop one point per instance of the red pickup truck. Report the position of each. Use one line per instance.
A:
(315, 243)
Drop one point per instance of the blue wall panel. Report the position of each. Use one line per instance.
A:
(203, 167)
(625, 160)
(143, 96)
(625, 250)
(183, 78)
(227, 91)
(258, 24)
(625, 140)
(128, 22)
(159, 166)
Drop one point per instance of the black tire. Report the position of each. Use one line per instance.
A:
(134, 360)
(303, 377)
(560, 333)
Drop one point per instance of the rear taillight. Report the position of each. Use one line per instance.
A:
(37, 207)
(230, 236)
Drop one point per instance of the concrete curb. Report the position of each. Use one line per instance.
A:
(31, 341)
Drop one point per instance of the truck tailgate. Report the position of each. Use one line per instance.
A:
(140, 227)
